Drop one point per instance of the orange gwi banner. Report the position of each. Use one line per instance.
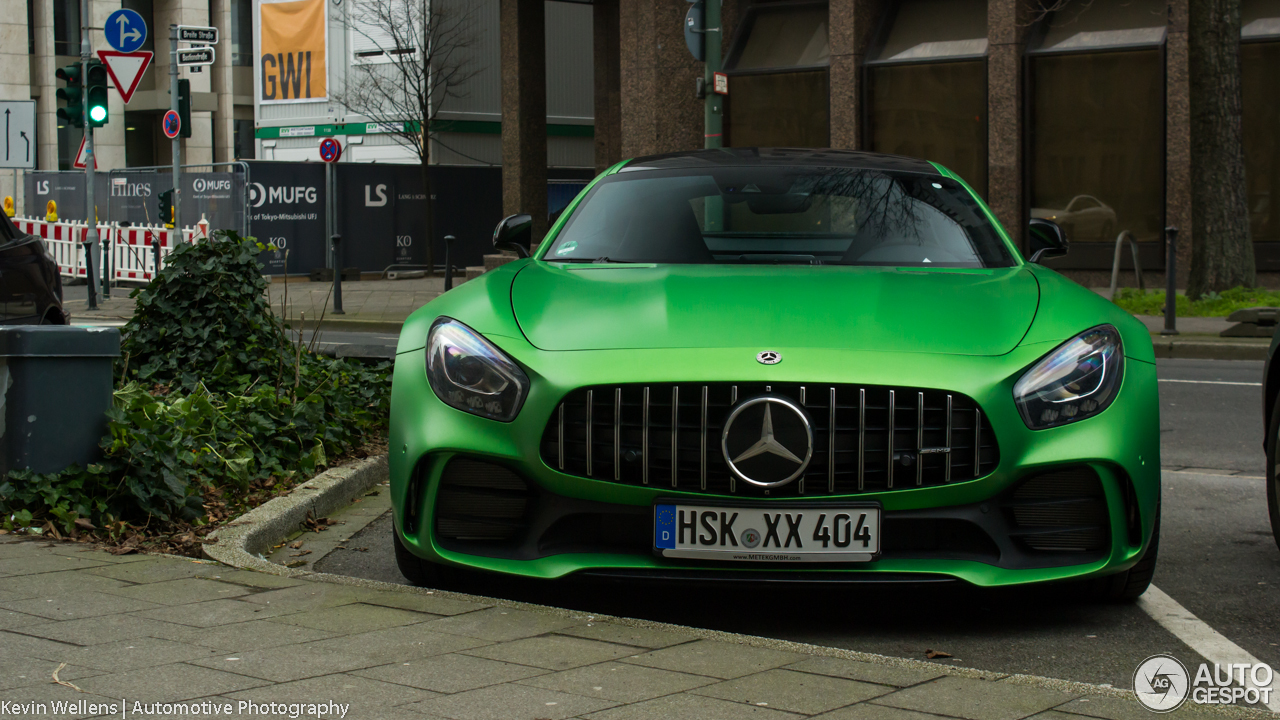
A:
(293, 36)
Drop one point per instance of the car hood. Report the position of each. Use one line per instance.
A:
(618, 307)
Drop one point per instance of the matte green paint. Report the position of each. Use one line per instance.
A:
(972, 332)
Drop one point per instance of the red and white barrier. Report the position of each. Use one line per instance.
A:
(131, 250)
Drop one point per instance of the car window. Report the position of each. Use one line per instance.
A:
(837, 216)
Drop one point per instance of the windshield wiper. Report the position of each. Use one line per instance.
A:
(611, 260)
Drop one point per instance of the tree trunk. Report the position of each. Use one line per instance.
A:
(429, 225)
(1221, 250)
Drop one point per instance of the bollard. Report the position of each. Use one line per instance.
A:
(155, 249)
(1171, 282)
(88, 274)
(448, 266)
(337, 277)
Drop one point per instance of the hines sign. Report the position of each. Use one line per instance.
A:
(293, 36)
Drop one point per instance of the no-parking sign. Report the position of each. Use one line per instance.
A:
(330, 150)
(172, 124)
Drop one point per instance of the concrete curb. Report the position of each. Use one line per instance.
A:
(1208, 348)
(244, 541)
(240, 544)
(339, 325)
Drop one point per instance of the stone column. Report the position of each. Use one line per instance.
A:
(108, 141)
(850, 24)
(1178, 136)
(220, 80)
(198, 148)
(660, 108)
(1007, 22)
(524, 111)
(608, 89)
(45, 88)
(15, 75)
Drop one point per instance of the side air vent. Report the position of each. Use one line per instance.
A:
(481, 501)
(1061, 511)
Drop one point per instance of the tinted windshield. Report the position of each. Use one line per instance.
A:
(823, 216)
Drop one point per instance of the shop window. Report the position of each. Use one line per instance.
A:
(1260, 88)
(927, 86)
(243, 141)
(1097, 125)
(778, 86)
(242, 33)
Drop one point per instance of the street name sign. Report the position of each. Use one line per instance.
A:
(200, 35)
(19, 142)
(125, 30)
(196, 56)
(126, 69)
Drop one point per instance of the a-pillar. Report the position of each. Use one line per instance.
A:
(524, 112)
(1007, 23)
(661, 111)
(850, 24)
(1177, 161)
(15, 79)
(608, 89)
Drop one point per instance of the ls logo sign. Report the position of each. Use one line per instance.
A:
(380, 191)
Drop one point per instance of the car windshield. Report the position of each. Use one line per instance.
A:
(800, 215)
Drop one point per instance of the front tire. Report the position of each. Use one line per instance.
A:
(1273, 478)
(417, 571)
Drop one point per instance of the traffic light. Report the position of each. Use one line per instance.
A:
(72, 94)
(165, 200)
(184, 108)
(96, 82)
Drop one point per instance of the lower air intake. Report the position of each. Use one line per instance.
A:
(480, 501)
(1061, 511)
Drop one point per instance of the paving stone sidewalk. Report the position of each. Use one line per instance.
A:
(154, 629)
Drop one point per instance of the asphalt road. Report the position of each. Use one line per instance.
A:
(1217, 559)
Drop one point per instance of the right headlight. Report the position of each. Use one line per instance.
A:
(1077, 380)
(467, 372)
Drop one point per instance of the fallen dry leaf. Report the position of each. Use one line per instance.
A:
(64, 683)
(931, 654)
(295, 544)
(295, 563)
(85, 523)
(300, 554)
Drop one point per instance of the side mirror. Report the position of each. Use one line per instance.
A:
(1046, 240)
(514, 234)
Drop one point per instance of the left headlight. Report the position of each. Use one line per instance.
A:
(467, 372)
(1077, 380)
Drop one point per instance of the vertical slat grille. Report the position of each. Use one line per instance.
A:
(860, 436)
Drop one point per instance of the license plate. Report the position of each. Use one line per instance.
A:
(849, 533)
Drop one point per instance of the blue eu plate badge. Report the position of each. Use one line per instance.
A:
(664, 526)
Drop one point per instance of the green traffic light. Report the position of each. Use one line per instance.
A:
(97, 113)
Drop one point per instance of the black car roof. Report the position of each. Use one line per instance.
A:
(739, 157)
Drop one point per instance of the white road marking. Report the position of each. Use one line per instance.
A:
(1210, 382)
(1209, 643)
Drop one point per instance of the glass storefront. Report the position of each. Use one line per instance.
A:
(1260, 89)
(1097, 143)
(778, 85)
(934, 111)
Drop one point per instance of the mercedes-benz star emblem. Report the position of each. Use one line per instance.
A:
(769, 357)
(767, 441)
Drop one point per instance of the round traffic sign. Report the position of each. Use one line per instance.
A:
(125, 30)
(330, 150)
(172, 124)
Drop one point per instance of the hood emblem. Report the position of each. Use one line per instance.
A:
(767, 441)
(769, 357)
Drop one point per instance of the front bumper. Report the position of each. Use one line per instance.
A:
(960, 530)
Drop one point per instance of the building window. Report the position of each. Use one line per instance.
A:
(243, 140)
(927, 86)
(66, 27)
(382, 32)
(778, 86)
(242, 33)
(145, 8)
(1260, 88)
(140, 135)
(1097, 124)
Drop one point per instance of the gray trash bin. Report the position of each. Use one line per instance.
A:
(55, 386)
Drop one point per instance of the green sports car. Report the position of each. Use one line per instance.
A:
(768, 364)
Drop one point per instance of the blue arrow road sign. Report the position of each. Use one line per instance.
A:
(125, 30)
